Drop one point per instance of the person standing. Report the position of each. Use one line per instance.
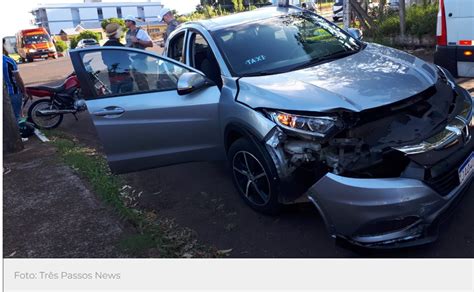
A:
(167, 16)
(136, 37)
(139, 39)
(113, 33)
(117, 62)
(13, 82)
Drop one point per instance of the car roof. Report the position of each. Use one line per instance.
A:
(244, 17)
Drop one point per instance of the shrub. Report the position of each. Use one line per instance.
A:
(73, 42)
(61, 46)
(421, 20)
(389, 27)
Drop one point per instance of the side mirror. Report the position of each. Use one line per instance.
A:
(355, 33)
(191, 81)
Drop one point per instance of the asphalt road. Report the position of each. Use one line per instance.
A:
(201, 196)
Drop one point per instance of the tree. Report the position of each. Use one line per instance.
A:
(11, 133)
(119, 21)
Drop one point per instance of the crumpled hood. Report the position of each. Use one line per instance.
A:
(373, 77)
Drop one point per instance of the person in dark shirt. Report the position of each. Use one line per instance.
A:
(117, 62)
(113, 32)
(167, 16)
(13, 82)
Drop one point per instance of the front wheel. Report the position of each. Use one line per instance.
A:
(254, 176)
(40, 121)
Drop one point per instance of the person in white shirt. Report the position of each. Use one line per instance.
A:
(136, 37)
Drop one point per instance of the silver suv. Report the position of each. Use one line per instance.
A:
(379, 140)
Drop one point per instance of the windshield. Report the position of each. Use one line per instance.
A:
(89, 41)
(281, 43)
(36, 39)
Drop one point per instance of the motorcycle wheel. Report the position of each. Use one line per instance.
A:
(44, 122)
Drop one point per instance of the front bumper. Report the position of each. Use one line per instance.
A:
(357, 209)
(395, 212)
(40, 55)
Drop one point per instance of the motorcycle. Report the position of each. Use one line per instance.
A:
(64, 99)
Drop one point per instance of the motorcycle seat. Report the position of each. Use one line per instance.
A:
(55, 89)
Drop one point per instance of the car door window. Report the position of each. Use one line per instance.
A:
(117, 72)
(203, 59)
(176, 48)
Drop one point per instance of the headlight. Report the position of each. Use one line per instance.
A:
(306, 125)
(32, 50)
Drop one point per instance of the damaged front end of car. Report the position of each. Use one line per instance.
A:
(382, 177)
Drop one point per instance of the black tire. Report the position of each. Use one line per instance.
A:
(43, 122)
(244, 154)
(335, 19)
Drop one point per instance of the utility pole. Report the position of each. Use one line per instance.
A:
(401, 11)
(346, 8)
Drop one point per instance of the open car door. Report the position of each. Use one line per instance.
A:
(140, 118)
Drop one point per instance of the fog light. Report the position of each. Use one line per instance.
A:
(467, 53)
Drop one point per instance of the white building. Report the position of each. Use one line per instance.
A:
(55, 17)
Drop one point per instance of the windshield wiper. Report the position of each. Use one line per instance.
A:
(320, 60)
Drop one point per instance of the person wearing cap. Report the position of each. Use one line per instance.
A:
(136, 37)
(113, 32)
(167, 16)
(117, 62)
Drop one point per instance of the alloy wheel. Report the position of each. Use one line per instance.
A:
(251, 177)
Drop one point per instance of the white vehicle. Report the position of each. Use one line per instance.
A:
(337, 9)
(393, 5)
(455, 37)
(87, 43)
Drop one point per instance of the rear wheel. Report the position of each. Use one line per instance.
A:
(254, 176)
(40, 121)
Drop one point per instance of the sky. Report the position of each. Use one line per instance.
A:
(15, 15)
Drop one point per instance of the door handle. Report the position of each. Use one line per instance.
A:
(109, 111)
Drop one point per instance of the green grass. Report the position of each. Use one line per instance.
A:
(159, 234)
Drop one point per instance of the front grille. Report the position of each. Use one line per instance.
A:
(445, 183)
